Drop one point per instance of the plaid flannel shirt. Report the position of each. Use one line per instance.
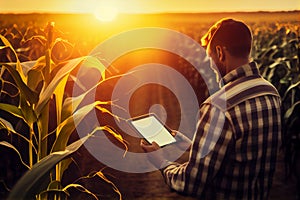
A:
(234, 149)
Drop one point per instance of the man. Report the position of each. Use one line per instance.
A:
(233, 153)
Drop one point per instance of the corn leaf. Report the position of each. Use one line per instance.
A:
(59, 97)
(30, 183)
(291, 87)
(47, 92)
(80, 188)
(4, 124)
(34, 79)
(6, 144)
(71, 103)
(54, 185)
(43, 125)
(291, 110)
(102, 176)
(104, 110)
(14, 110)
(28, 65)
(13, 90)
(18, 65)
(94, 63)
(64, 165)
(114, 134)
(29, 94)
(27, 111)
(54, 191)
(66, 128)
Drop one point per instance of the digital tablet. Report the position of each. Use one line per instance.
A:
(152, 129)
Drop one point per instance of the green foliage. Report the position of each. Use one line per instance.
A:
(38, 85)
(34, 180)
(278, 55)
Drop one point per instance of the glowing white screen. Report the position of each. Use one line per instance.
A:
(152, 130)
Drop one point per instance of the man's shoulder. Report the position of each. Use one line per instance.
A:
(241, 90)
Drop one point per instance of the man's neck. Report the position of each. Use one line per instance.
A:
(234, 63)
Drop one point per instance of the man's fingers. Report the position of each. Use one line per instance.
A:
(149, 147)
(143, 142)
(154, 144)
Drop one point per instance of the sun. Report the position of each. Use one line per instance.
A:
(106, 13)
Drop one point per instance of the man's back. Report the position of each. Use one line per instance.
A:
(254, 115)
(234, 150)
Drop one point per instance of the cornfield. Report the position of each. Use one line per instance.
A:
(37, 57)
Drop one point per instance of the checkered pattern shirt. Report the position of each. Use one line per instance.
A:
(234, 149)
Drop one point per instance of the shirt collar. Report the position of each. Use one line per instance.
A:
(244, 70)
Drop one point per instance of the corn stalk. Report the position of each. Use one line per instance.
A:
(40, 85)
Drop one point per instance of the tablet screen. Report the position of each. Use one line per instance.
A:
(153, 130)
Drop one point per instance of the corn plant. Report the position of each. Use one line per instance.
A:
(278, 55)
(37, 84)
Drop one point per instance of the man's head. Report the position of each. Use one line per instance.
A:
(229, 43)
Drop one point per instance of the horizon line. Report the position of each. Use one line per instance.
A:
(142, 13)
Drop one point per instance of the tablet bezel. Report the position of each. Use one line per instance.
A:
(155, 116)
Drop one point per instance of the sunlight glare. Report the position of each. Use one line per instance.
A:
(106, 13)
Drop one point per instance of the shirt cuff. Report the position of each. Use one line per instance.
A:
(164, 165)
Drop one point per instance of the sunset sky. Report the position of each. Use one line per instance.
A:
(147, 6)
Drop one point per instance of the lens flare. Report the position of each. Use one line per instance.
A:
(145, 74)
(106, 13)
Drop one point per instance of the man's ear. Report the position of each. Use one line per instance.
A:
(220, 53)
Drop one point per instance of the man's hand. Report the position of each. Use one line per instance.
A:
(149, 147)
(156, 158)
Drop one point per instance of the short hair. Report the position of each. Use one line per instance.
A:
(235, 35)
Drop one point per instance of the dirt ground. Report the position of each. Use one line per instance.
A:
(152, 186)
